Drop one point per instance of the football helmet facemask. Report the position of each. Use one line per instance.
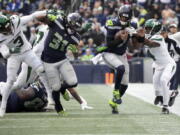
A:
(74, 21)
(125, 14)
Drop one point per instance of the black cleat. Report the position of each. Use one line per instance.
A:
(158, 99)
(165, 110)
(173, 97)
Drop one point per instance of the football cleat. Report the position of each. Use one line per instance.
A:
(66, 96)
(116, 97)
(62, 113)
(158, 99)
(114, 107)
(173, 97)
(165, 110)
(85, 106)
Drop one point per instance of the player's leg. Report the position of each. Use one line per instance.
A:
(166, 76)
(22, 77)
(13, 65)
(68, 74)
(32, 60)
(53, 75)
(114, 62)
(157, 87)
(125, 79)
(79, 99)
(173, 88)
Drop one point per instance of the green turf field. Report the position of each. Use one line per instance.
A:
(136, 118)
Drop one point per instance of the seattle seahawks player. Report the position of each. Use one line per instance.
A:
(164, 65)
(33, 98)
(115, 55)
(20, 51)
(62, 35)
(119, 36)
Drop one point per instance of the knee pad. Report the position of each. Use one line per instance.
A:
(121, 69)
(56, 86)
(40, 70)
(72, 82)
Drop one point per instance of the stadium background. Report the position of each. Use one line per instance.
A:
(97, 12)
(136, 116)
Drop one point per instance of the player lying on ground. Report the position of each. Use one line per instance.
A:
(33, 98)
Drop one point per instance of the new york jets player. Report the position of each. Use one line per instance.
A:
(27, 74)
(11, 35)
(164, 65)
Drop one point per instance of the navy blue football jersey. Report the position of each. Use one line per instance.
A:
(36, 103)
(118, 47)
(58, 40)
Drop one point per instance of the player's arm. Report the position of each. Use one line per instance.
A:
(38, 15)
(4, 50)
(113, 37)
(151, 43)
(138, 40)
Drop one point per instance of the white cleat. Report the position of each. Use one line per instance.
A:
(85, 106)
(50, 107)
(2, 112)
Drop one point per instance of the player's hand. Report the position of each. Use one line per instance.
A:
(73, 48)
(122, 34)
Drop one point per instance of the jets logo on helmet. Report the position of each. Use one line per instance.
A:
(4, 24)
(152, 27)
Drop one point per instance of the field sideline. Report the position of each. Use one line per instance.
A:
(136, 118)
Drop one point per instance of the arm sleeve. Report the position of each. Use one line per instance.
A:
(33, 16)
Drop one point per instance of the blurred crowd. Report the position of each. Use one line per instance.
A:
(97, 12)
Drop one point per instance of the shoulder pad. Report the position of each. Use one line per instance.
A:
(109, 23)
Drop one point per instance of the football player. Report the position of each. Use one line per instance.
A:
(33, 98)
(11, 36)
(62, 35)
(119, 36)
(164, 65)
(173, 45)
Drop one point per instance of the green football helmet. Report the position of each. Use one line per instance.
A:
(4, 24)
(152, 26)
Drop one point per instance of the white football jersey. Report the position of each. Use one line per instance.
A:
(38, 46)
(174, 48)
(160, 54)
(16, 40)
